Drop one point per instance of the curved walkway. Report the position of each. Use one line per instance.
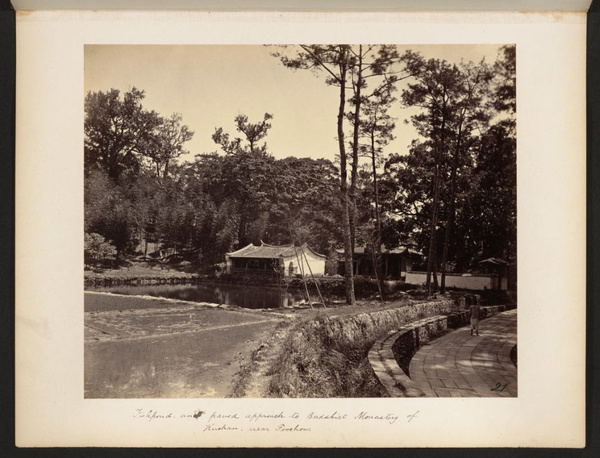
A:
(461, 365)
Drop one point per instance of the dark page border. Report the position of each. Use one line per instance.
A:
(7, 207)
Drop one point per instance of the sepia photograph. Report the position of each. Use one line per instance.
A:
(300, 229)
(300, 221)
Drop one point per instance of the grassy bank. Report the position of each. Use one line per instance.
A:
(327, 356)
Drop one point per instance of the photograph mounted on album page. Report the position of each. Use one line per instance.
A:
(300, 229)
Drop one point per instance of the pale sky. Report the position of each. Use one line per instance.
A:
(211, 84)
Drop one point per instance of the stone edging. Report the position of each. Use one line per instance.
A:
(383, 361)
(103, 281)
(383, 356)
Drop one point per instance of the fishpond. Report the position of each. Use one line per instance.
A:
(247, 296)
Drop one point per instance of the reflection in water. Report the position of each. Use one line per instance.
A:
(247, 296)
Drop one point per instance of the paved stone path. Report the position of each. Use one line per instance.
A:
(461, 365)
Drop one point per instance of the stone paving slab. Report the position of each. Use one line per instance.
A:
(459, 364)
(387, 370)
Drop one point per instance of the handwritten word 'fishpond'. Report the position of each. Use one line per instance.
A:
(152, 415)
(391, 418)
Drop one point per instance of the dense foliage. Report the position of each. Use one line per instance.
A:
(204, 208)
(452, 195)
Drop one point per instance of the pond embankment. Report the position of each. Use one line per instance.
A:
(330, 287)
(327, 356)
(143, 275)
(134, 279)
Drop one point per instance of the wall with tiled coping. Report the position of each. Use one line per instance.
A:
(478, 282)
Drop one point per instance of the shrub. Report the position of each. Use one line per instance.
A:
(97, 250)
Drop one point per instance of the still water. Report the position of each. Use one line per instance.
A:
(247, 296)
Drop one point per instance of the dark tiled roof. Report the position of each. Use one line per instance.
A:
(384, 250)
(271, 251)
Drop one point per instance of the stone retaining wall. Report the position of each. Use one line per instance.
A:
(390, 357)
(327, 356)
(354, 335)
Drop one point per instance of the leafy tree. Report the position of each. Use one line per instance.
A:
(166, 143)
(348, 68)
(469, 115)
(297, 203)
(459, 178)
(457, 182)
(304, 207)
(495, 198)
(175, 218)
(117, 131)
(253, 133)
(374, 133)
(493, 222)
(335, 61)
(246, 175)
(505, 68)
(369, 61)
(110, 212)
(215, 223)
(120, 134)
(433, 91)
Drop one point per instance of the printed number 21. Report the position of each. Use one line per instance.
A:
(499, 387)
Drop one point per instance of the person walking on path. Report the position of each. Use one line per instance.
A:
(474, 318)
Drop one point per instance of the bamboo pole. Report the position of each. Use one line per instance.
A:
(313, 277)
(302, 273)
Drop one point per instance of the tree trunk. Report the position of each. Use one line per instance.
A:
(451, 214)
(431, 260)
(166, 172)
(354, 173)
(346, 226)
(348, 269)
(432, 234)
(242, 230)
(377, 247)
